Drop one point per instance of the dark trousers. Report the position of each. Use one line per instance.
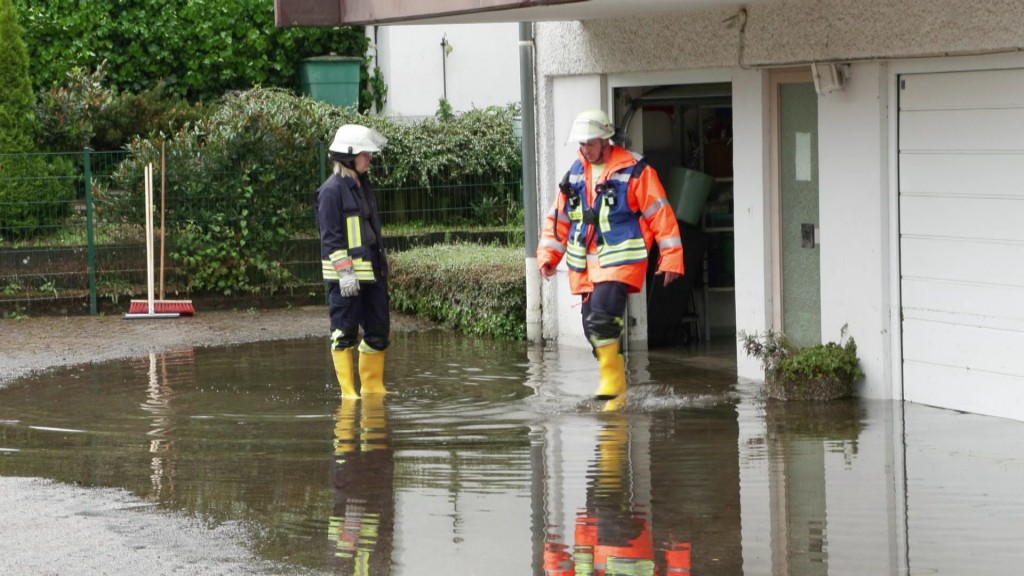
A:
(369, 310)
(604, 310)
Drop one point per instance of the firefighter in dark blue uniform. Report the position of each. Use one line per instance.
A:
(355, 268)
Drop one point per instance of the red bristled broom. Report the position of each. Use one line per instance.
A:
(151, 307)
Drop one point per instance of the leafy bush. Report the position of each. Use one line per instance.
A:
(67, 110)
(255, 159)
(35, 193)
(82, 112)
(148, 114)
(478, 289)
(226, 258)
(821, 372)
(199, 48)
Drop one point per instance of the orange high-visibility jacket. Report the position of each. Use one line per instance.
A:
(611, 243)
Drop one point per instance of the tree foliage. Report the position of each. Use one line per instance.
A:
(198, 48)
(28, 201)
(17, 123)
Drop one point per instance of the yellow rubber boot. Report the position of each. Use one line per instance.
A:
(373, 421)
(613, 371)
(615, 404)
(346, 374)
(345, 429)
(371, 370)
(613, 444)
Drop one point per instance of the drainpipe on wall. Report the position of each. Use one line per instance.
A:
(529, 152)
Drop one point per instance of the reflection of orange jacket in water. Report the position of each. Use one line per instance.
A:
(361, 526)
(598, 556)
(612, 536)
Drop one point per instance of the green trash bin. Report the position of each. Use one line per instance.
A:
(331, 79)
(687, 192)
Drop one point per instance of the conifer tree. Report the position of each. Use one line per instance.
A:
(30, 199)
(17, 118)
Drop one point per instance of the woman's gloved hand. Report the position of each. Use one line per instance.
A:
(348, 283)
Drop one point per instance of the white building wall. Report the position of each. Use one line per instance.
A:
(858, 250)
(481, 70)
(854, 220)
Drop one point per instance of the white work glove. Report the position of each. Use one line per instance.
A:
(348, 283)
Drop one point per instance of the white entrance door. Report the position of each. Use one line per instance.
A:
(961, 222)
(797, 277)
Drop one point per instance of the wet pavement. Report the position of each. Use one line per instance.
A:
(489, 458)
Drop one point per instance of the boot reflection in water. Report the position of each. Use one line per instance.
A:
(613, 533)
(361, 528)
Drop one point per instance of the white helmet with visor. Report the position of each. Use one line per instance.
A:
(354, 139)
(590, 124)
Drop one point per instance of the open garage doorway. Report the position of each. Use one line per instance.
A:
(685, 132)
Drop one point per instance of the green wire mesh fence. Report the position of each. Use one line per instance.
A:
(73, 235)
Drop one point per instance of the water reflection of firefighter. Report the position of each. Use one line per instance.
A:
(362, 525)
(613, 533)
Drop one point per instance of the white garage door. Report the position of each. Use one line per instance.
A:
(961, 179)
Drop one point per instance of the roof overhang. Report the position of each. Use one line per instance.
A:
(362, 12)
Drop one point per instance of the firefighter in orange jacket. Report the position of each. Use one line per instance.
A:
(610, 209)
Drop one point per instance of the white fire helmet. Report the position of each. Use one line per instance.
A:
(590, 124)
(354, 139)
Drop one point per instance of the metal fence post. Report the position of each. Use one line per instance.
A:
(89, 232)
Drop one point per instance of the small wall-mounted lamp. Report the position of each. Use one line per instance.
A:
(829, 77)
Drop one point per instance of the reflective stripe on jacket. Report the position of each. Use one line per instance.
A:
(349, 230)
(629, 212)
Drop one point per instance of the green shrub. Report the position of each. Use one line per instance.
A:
(255, 159)
(227, 257)
(67, 111)
(148, 114)
(478, 289)
(820, 372)
(199, 48)
(82, 112)
(35, 193)
(264, 140)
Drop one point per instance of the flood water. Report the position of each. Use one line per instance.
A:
(488, 458)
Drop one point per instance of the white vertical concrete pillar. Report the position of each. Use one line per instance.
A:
(854, 219)
(570, 96)
(752, 209)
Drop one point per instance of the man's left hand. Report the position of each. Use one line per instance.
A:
(670, 277)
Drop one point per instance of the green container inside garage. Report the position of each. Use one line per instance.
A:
(331, 79)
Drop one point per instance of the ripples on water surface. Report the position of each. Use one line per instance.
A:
(489, 458)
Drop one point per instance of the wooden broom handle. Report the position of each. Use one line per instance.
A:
(163, 186)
